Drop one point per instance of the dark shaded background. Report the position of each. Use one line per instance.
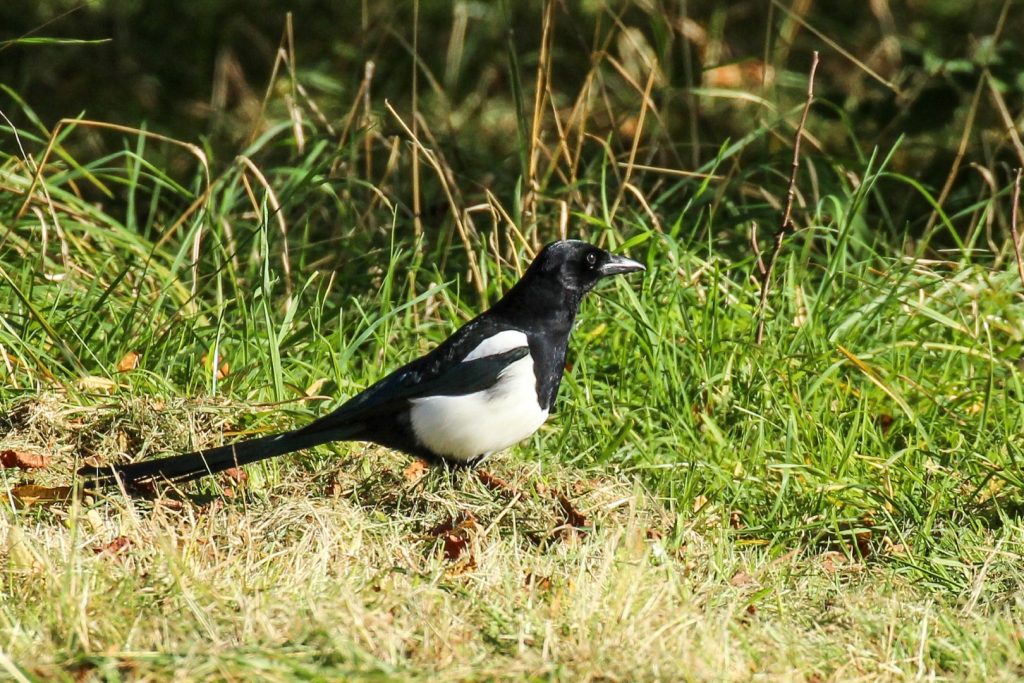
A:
(199, 70)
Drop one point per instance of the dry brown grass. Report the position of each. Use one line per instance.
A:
(364, 569)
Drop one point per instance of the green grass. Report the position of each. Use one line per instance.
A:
(842, 501)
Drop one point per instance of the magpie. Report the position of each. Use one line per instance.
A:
(488, 386)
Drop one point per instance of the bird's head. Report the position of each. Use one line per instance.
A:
(578, 266)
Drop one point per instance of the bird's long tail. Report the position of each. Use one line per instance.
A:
(189, 466)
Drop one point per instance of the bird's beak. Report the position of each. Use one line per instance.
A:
(617, 265)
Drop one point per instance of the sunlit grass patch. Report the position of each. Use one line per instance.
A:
(840, 500)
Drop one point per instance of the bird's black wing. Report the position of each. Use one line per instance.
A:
(386, 398)
(392, 393)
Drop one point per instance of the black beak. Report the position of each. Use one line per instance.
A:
(617, 265)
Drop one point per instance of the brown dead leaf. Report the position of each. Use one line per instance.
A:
(833, 561)
(455, 535)
(749, 75)
(128, 362)
(575, 521)
(334, 487)
(223, 371)
(30, 494)
(539, 583)
(237, 475)
(897, 549)
(627, 127)
(741, 579)
(736, 519)
(863, 541)
(454, 546)
(749, 612)
(496, 484)
(116, 546)
(24, 460)
(464, 566)
(416, 470)
(783, 559)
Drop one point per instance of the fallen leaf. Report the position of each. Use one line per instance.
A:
(736, 519)
(416, 470)
(534, 582)
(116, 546)
(741, 578)
(334, 487)
(455, 536)
(30, 494)
(749, 612)
(237, 475)
(749, 75)
(223, 371)
(128, 362)
(728, 76)
(23, 460)
(832, 561)
(463, 566)
(496, 484)
(782, 559)
(575, 521)
(627, 128)
(863, 541)
(455, 545)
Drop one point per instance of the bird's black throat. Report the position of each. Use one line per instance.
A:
(546, 315)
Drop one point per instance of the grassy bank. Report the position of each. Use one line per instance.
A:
(842, 500)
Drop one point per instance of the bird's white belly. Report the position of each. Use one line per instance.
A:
(462, 428)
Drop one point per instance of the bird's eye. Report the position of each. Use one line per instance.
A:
(591, 259)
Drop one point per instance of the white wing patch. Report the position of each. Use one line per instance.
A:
(499, 343)
(462, 428)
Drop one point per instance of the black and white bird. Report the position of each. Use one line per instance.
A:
(488, 386)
